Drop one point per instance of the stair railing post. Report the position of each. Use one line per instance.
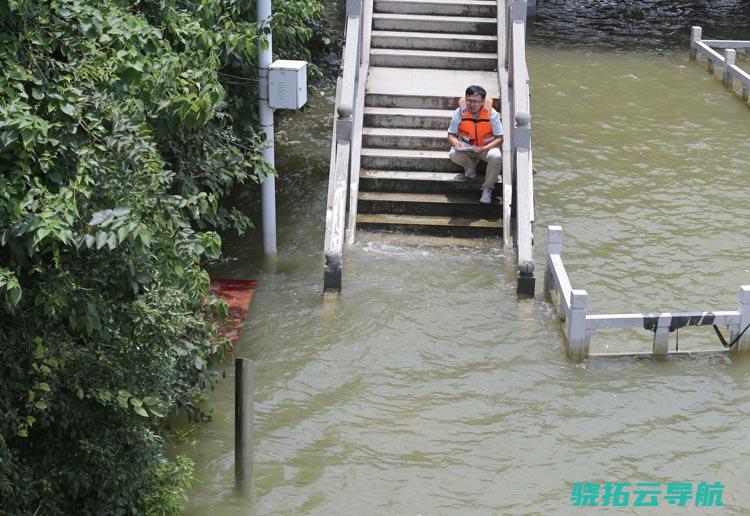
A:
(695, 36)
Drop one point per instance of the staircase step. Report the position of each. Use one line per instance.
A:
(432, 225)
(423, 23)
(418, 181)
(433, 41)
(454, 204)
(392, 100)
(437, 119)
(443, 7)
(408, 159)
(425, 139)
(423, 88)
(428, 240)
(440, 59)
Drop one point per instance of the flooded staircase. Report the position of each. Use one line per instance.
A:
(423, 55)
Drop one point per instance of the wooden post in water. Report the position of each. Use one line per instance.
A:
(578, 340)
(244, 391)
(744, 343)
(730, 58)
(695, 35)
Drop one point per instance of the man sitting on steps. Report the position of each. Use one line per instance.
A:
(476, 133)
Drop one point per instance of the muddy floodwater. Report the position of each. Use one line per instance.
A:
(428, 388)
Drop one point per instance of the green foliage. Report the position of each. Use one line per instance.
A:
(119, 137)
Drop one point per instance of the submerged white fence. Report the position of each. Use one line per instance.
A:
(727, 62)
(580, 326)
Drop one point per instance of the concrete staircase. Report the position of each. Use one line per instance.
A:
(423, 55)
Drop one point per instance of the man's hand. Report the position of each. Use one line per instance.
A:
(455, 142)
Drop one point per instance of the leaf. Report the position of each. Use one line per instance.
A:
(150, 400)
(145, 237)
(40, 405)
(141, 411)
(111, 240)
(79, 393)
(101, 239)
(28, 136)
(68, 109)
(135, 402)
(22, 433)
(42, 387)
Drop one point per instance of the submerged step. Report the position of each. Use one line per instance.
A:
(423, 23)
(429, 224)
(481, 8)
(385, 117)
(433, 41)
(440, 59)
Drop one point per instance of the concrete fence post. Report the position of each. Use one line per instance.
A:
(578, 339)
(744, 343)
(730, 58)
(244, 391)
(695, 36)
(554, 246)
(661, 334)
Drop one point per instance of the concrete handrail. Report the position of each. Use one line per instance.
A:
(521, 144)
(505, 109)
(358, 121)
(338, 178)
(348, 84)
(580, 326)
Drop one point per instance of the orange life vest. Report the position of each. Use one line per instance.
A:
(477, 131)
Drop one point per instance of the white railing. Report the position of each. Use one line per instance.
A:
(359, 111)
(518, 183)
(727, 63)
(341, 148)
(571, 307)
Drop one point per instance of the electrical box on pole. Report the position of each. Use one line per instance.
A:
(287, 88)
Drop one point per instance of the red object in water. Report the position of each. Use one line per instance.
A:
(238, 294)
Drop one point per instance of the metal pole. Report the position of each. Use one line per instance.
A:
(244, 389)
(268, 186)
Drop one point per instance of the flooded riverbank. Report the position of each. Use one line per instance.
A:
(428, 388)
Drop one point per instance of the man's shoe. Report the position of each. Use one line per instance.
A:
(470, 172)
(486, 197)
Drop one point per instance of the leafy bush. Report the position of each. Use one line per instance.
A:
(118, 141)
